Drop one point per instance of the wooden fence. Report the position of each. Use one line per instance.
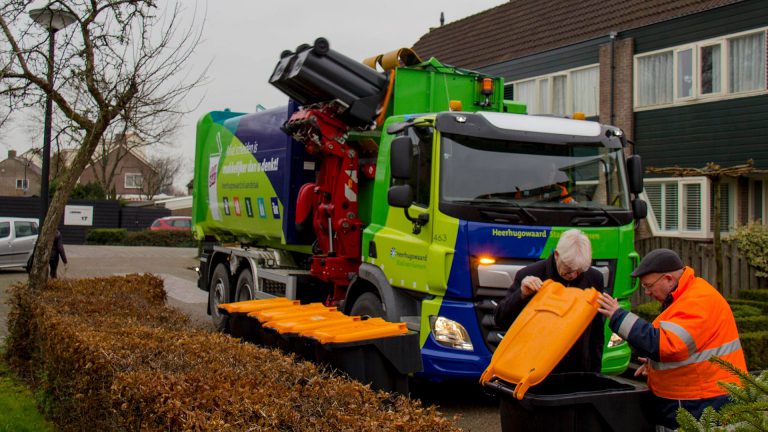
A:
(699, 254)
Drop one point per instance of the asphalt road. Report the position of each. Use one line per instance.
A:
(477, 410)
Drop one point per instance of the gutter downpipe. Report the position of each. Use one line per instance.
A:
(613, 36)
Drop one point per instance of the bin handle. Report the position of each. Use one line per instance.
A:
(523, 386)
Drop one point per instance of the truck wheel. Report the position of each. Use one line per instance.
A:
(369, 305)
(219, 293)
(244, 289)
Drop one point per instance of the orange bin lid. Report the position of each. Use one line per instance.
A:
(256, 305)
(373, 328)
(305, 323)
(293, 311)
(541, 335)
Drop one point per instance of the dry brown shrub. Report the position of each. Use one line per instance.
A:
(109, 355)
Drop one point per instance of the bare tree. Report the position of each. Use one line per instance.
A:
(121, 61)
(165, 170)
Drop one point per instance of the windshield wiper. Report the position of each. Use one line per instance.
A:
(597, 209)
(495, 202)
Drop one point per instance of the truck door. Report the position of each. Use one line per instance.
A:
(409, 244)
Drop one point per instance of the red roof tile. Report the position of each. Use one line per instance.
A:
(522, 27)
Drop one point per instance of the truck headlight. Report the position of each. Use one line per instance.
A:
(615, 340)
(450, 333)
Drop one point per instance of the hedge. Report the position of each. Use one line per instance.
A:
(160, 238)
(755, 345)
(106, 236)
(107, 354)
(752, 324)
(648, 311)
(754, 294)
(110, 236)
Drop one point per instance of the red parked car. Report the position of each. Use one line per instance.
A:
(172, 223)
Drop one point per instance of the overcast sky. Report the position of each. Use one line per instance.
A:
(243, 39)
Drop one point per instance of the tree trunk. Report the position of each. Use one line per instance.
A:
(38, 275)
(718, 244)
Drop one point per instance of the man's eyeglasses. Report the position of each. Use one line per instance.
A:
(649, 286)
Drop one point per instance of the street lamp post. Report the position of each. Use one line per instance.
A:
(53, 20)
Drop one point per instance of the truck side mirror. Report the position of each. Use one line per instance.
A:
(639, 209)
(635, 174)
(400, 196)
(400, 157)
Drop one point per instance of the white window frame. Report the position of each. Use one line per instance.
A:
(24, 184)
(705, 191)
(132, 184)
(676, 73)
(534, 108)
(723, 73)
(698, 96)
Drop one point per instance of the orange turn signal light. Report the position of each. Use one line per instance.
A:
(487, 261)
(454, 105)
(578, 115)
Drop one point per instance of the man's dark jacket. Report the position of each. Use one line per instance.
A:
(587, 353)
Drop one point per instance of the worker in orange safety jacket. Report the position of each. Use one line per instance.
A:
(695, 324)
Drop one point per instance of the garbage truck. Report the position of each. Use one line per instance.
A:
(408, 190)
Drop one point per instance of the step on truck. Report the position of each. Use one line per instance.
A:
(409, 190)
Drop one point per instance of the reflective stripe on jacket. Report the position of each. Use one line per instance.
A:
(697, 326)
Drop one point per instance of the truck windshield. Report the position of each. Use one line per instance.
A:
(532, 175)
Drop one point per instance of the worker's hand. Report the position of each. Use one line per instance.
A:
(608, 305)
(643, 369)
(530, 285)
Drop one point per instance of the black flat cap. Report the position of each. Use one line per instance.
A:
(658, 261)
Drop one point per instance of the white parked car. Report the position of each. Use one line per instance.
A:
(17, 241)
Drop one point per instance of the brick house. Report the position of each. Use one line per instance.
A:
(686, 80)
(19, 176)
(132, 173)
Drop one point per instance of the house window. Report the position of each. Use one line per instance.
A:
(662, 198)
(654, 79)
(730, 66)
(684, 73)
(726, 207)
(711, 72)
(133, 181)
(746, 63)
(683, 207)
(22, 184)
(561, 93)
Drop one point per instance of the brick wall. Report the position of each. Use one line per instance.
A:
(623, 115)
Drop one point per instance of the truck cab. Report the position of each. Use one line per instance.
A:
(465, 200)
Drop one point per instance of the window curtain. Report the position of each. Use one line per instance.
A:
(585, 85)
(654, 76)
(559, 94)
(543, 96)
(746, 62)
(526, 92)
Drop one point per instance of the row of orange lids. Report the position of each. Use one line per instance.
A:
(324, 323)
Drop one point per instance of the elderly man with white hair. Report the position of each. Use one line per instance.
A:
(569, 265)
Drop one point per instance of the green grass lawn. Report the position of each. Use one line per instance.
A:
(18, 409)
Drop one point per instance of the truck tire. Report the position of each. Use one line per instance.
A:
(219, 293)
(368, 304)
(244, 289)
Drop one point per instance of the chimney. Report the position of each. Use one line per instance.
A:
(11, 154)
